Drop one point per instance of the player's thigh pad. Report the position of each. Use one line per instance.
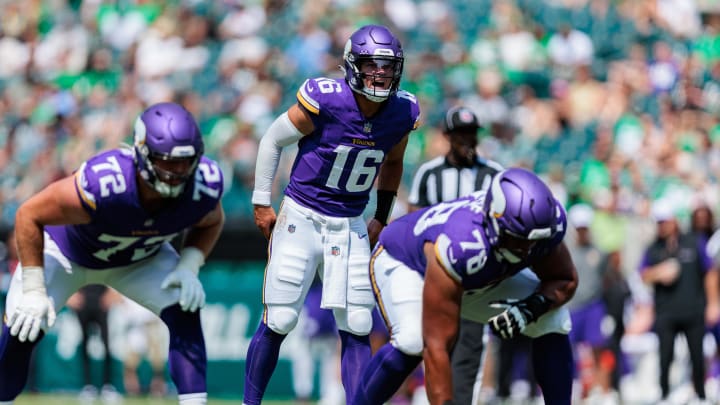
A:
(295, 251)
(141, 281)
(476, 304)
(399, 289)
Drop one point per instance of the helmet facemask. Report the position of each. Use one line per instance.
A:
(166, 174)
(376, 78)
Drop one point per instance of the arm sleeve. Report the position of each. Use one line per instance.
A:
(281, 133)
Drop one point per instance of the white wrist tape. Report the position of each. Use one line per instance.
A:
(191, 258)
(33, 278)
(281, 133)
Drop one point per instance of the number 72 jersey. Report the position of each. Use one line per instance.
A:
(337, 164)
(121, 232)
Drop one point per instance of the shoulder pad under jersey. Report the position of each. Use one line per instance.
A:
(208, 180)
(313, 92)
(462, 247)
(104, 177)
(413, 104)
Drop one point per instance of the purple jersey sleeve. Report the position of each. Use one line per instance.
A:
(337, 164)
(121, 231)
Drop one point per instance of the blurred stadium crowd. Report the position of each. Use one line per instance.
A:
(614, 102)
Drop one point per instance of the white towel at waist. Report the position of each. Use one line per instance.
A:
(335, 263)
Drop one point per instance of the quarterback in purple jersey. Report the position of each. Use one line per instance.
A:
(350, 132)
(111, 223)
(495, 257)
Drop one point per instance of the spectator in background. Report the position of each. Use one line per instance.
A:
(91, 305)
(458, 173)
(685, 287)
(592, 326)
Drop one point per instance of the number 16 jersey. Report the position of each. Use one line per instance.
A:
(337, 164)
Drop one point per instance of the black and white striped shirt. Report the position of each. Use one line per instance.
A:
(437, 180)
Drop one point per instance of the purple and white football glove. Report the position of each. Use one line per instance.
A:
(517, 314)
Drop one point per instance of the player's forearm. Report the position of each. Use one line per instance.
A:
(558, 292)
(390, 175)
(438, 380)
(204, 235)
(28, 237)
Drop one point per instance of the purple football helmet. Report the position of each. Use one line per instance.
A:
(168, 147)
(376, 44)
(521, 210)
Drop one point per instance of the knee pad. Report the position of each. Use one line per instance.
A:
(408, 343)
(281, 320)
(357, 321)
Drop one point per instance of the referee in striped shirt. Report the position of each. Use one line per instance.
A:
(460, 172)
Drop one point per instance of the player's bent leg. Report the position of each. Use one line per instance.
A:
(187, 358)
(264, 350)
(14, 364)
(553, 365)
(384, 375)
(394, 361)
(354, 325)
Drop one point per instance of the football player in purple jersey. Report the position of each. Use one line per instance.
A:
(495, 257)
(111, 223)
(350, 132)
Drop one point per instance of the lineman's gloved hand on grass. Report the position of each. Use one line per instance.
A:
(185, 277)
(517, 314)
(34, 306)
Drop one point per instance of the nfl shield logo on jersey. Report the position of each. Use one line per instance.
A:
(291, 228)
(335, 251)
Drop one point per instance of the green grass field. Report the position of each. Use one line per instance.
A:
(71, 399)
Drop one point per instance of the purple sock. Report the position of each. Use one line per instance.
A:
(382, 377)
(187, 358)
(14, 363)
(354, 355)
(553, 365)
(260, 362)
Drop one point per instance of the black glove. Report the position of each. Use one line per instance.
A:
(517, 314)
